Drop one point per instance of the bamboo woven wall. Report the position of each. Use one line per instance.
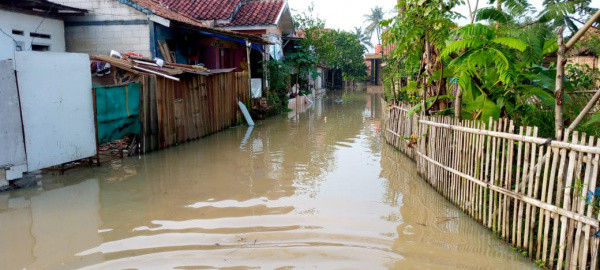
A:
(196, 106)
(537, 194)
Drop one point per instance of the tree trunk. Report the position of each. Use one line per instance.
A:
(393, 89)
(558, 92)
(458, 102)
(333, 79)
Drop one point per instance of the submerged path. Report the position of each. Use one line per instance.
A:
(312, 189)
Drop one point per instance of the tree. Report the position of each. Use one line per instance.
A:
(373, 19)
(363, 37)
(566, 13)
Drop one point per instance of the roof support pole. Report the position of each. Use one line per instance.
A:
(248, 48)
(265, 84)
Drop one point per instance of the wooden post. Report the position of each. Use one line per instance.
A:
(265, 82)
(248, 50)
(96, 127)
(560, 68)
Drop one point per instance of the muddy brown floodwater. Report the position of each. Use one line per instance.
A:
(316, 189)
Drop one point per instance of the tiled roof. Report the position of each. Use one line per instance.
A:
(161, 10)
(204, 9)
(258, 12)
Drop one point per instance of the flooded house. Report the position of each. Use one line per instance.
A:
(45, 97)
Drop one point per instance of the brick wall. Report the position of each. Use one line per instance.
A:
(103, 36)
(100, 39)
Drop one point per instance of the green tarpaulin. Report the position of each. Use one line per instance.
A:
(117, 111)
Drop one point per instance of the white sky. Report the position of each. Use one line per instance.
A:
(347, 14)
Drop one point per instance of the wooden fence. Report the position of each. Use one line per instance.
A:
(536, 193)
(175, 112)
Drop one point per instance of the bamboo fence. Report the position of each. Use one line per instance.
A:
(535, 193)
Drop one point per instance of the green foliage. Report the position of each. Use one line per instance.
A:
(582, 77)
(303, 61)
(340, 50)
(279, 77)
(565, 13)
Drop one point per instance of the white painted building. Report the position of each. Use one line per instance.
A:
(54, 90)
(32, 27)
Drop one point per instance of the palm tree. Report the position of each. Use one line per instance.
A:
(373, 20)
(363, 37)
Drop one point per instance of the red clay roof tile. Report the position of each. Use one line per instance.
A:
(258, 12)
(204, 9)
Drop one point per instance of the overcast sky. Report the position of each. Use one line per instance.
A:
(347, 14)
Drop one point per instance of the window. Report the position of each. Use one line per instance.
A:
(17, 32)
(38, 35)
(40, 48)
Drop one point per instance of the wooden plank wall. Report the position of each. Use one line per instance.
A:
(535, 193)
(177, 112)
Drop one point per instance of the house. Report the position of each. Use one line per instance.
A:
(374, 63)
(270, 19)
(216, 34)
(45, 98)
(33, 26)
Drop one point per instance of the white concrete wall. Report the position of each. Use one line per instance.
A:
(57, 107)
(12, 148)
(101, 10)
(100, 39)
(10, 21)
(318, 82)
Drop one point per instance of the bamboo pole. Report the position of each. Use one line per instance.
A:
(528, 139)
(560, 191)
(590, 210)
(588, 183)
(545, 191)
(517, 184)
(577, 188)
(585, 111)
(567, 201)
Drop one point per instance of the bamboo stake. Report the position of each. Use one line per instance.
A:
(530, 184)
(590, 212)
(577, 188)
(559, 195)
(587, 184)
(486, 210)
(493, 165)
(501, 169)
(545, 192)
(538, 171)
(481, 173)
(509, 175)
(517, 184)
(551, 180)
(522, 189)
(566, 202)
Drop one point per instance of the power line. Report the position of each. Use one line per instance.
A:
(38, 27)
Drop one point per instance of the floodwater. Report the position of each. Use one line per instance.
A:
(316, 189)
